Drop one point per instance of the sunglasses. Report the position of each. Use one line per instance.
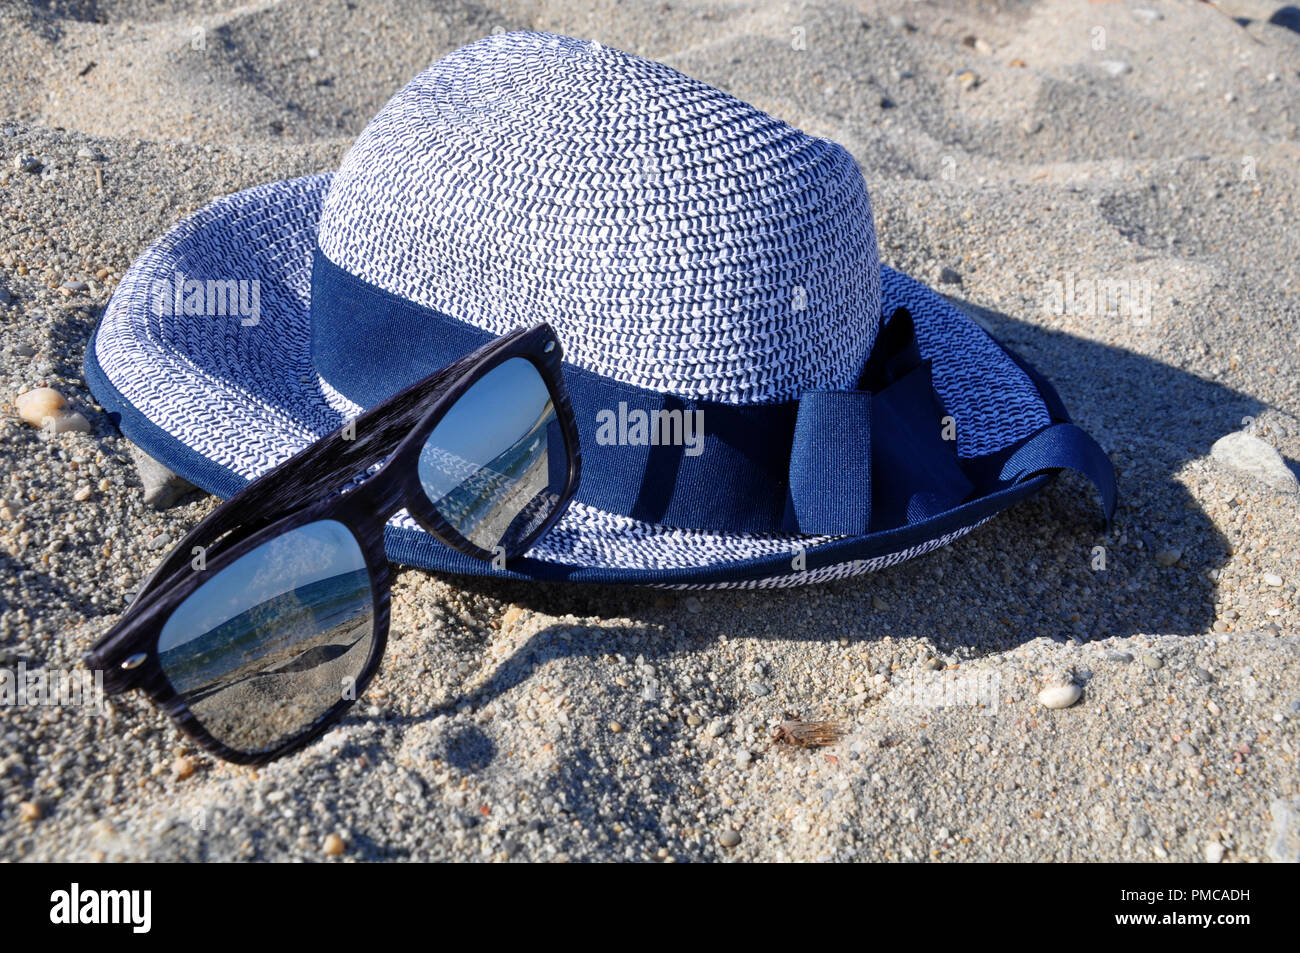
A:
(267, 621)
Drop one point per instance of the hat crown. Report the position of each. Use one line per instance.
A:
(677, 238)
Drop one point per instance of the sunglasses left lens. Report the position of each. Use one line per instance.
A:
(274, 640)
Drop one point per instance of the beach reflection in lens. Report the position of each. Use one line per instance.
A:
(495, 465)
(274, 640)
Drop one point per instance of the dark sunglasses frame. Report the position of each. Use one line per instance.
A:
(305, 489)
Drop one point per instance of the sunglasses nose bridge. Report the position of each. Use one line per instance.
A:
(383, 493)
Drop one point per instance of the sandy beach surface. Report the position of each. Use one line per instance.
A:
(1017, 153)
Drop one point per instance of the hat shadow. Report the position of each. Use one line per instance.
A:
(1042, 568)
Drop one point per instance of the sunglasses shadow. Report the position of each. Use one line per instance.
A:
(1042, 569)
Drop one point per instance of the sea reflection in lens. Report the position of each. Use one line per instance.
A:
(495, 465)
(274, 640)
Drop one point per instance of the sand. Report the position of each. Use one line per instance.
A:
(535, 722)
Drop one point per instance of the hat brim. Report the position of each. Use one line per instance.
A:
(221, 400)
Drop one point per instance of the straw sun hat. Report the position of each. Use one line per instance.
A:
(710, 270)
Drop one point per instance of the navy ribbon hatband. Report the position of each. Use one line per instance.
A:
(839, 463)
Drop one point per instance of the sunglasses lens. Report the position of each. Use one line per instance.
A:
(276, 639)
(495, 466)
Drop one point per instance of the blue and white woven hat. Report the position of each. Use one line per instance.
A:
(711, 271)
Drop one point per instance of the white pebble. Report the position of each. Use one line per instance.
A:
(1060, 696)
(66, 423)
(1252, 456)
(1272, 579)
(1213, 852)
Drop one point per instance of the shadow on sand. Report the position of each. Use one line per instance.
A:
(1030, 573)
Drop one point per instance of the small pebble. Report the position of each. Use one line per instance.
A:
(183, 768)
(162, 487)
(729, 838)
(1252, 456)
(27, 164)
(333, 845)
(1060, 696)
(615, 727)
(949, 276)
(1120, 656)
(1116, 67)
(968, 79)
(1187, 749)
(1272, 579)
(1213, 852)
(36, 406)
(29, 811)
(67, 423)
(1168, 557)
(717, 728)
(82, 494)
(743, 757)
(1153, 661)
